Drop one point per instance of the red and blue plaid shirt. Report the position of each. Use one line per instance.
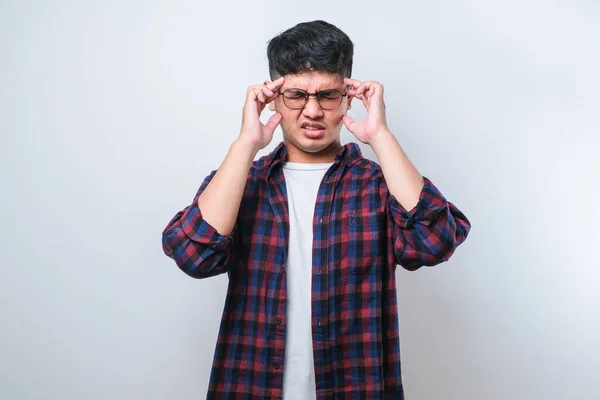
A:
(360, 233)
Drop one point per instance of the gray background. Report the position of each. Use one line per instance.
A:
(112, 113)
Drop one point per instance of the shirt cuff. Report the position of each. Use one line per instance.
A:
(198, 230)
(431, 203)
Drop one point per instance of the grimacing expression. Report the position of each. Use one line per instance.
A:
(311, 129)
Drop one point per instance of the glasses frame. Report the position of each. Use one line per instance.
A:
(316, 95)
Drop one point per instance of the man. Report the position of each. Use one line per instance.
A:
(310, 235)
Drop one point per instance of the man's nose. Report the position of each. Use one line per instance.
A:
(312, 108)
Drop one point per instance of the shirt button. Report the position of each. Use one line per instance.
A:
(278, 321)
(276, 365)
(320, 220)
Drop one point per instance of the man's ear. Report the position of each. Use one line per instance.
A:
(350, 98)
(272, 105)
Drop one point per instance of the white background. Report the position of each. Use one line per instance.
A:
(112, 113)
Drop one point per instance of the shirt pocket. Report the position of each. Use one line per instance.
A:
(366, 242)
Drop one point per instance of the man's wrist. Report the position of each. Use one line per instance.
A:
(381, 138)
(245, 146)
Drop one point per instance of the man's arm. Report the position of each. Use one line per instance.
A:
(195, 246)
(200, 238)
(404, 181)
(426, 227)
(220, 202)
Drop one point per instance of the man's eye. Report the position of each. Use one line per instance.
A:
(295, 94)
(330, 94)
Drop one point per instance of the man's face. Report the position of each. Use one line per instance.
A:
(312, 134)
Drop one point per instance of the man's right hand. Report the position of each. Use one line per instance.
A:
(254, 132)
(220, 201)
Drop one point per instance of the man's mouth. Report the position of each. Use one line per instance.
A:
(313, 130)
(312, 126)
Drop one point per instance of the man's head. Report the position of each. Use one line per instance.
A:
(314, 57)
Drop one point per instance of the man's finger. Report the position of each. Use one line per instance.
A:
(269, 95)
(360, 96)
(276, 84)
(261, 97)
(349, 122)
(268, 92)
(352, 82)
(273, 122)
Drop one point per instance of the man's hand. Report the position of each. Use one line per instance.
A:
(371, 94)
(253, 132)
(403, 179)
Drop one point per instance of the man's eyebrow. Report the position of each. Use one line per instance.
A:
(283, 89)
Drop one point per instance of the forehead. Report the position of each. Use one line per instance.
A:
(313, 81)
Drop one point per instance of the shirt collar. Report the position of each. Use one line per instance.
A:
(348, 154)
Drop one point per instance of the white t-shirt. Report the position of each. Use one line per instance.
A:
(302, 183)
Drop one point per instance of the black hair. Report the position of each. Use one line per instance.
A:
(310, 46)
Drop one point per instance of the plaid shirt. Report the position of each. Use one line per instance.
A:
(360, 233)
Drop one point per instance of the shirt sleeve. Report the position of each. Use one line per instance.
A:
(428, 234)
(196, 246)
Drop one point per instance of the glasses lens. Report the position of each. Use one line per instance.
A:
(294, 98)
(330, 99)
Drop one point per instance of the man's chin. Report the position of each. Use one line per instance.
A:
(316, 145)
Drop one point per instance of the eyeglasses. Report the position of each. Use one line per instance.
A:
(296, 99)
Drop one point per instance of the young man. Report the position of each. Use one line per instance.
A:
(310, 235)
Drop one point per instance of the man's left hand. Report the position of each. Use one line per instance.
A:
(371, 94)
